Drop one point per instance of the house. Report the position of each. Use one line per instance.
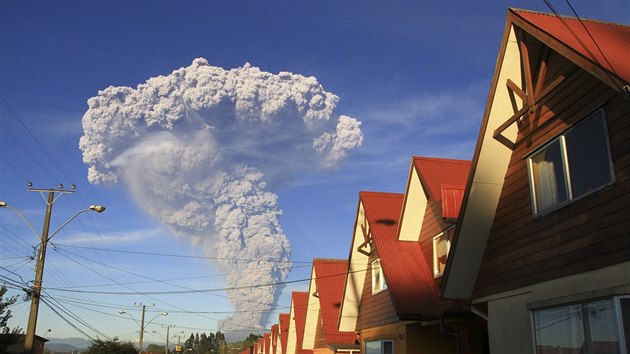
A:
(283, 333)
(391, 298)
(274, 338)
(542, 243)
(297, 317)
(266, 343)
(38, 344)
(326, 289)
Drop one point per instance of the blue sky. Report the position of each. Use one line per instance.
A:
(415, 73)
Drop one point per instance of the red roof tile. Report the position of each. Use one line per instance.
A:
(283, 323)
(612, 38)
(409, 280)
(330, 281)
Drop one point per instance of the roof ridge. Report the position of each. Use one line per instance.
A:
(567, 17)
(440, 159)
(384, 194)
(337, 260)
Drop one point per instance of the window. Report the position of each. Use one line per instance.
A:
(441, 246)
(591, 327)
(379, 347)
(573, 165)
(378, 279)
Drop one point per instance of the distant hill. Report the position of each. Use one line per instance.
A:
(67, 345)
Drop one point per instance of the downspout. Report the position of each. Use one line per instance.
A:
(458, 338)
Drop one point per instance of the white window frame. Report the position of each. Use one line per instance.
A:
(436, 272)
(380, 343)
(623, 345)
(597, 114)
(378, 278)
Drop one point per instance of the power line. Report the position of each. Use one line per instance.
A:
(51, 307)
(190, 290)
(591, 36)
(211, 290)
(185, 256)
(34, 139)
(579, 40)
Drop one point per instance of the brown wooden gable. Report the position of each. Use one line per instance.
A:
(433, 224)
(375, 309)
(499, 245)
(543, 70)
(586, 234)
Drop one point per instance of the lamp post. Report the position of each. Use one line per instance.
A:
(44, 238)
(142, 325)
(168, 327)
(178, 347)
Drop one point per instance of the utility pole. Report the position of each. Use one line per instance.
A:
(44, 238)
(166, 348)
(144, 308)
(39, 274)
(142, 325)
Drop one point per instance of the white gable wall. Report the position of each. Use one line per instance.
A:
(357, 264)
(413, 208)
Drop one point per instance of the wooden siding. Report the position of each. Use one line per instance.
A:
(432, 226)
(587, 234)
(375, 309)
(320, 338)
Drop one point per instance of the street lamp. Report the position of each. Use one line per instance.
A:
(142, 324)
(43, 238)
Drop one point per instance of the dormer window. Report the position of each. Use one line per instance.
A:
(441, 247)
(573, 165)
(378, 279)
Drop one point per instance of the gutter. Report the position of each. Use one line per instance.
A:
(478, 312)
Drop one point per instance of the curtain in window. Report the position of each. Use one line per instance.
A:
(549, 177)
(547, 189)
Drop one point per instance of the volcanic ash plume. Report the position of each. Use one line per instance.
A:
(202, 150)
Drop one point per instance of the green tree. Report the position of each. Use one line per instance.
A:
(154, 348)
(7, 336)
(110, 347)
(190, 342)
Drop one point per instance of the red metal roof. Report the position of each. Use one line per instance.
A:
(267, 343)
(300, 303)
(274, 338)
(435, 172)
(611, 38)
(330, 281)
(452, 196)
(283, 323)
(444, 180)
(409, 280)
(261, 345)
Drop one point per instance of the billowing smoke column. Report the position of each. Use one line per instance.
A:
(202, 150)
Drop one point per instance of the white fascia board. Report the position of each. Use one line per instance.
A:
(292, 334)
(312, 314)
(357, 264)
(489, 169)
(414, 207)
